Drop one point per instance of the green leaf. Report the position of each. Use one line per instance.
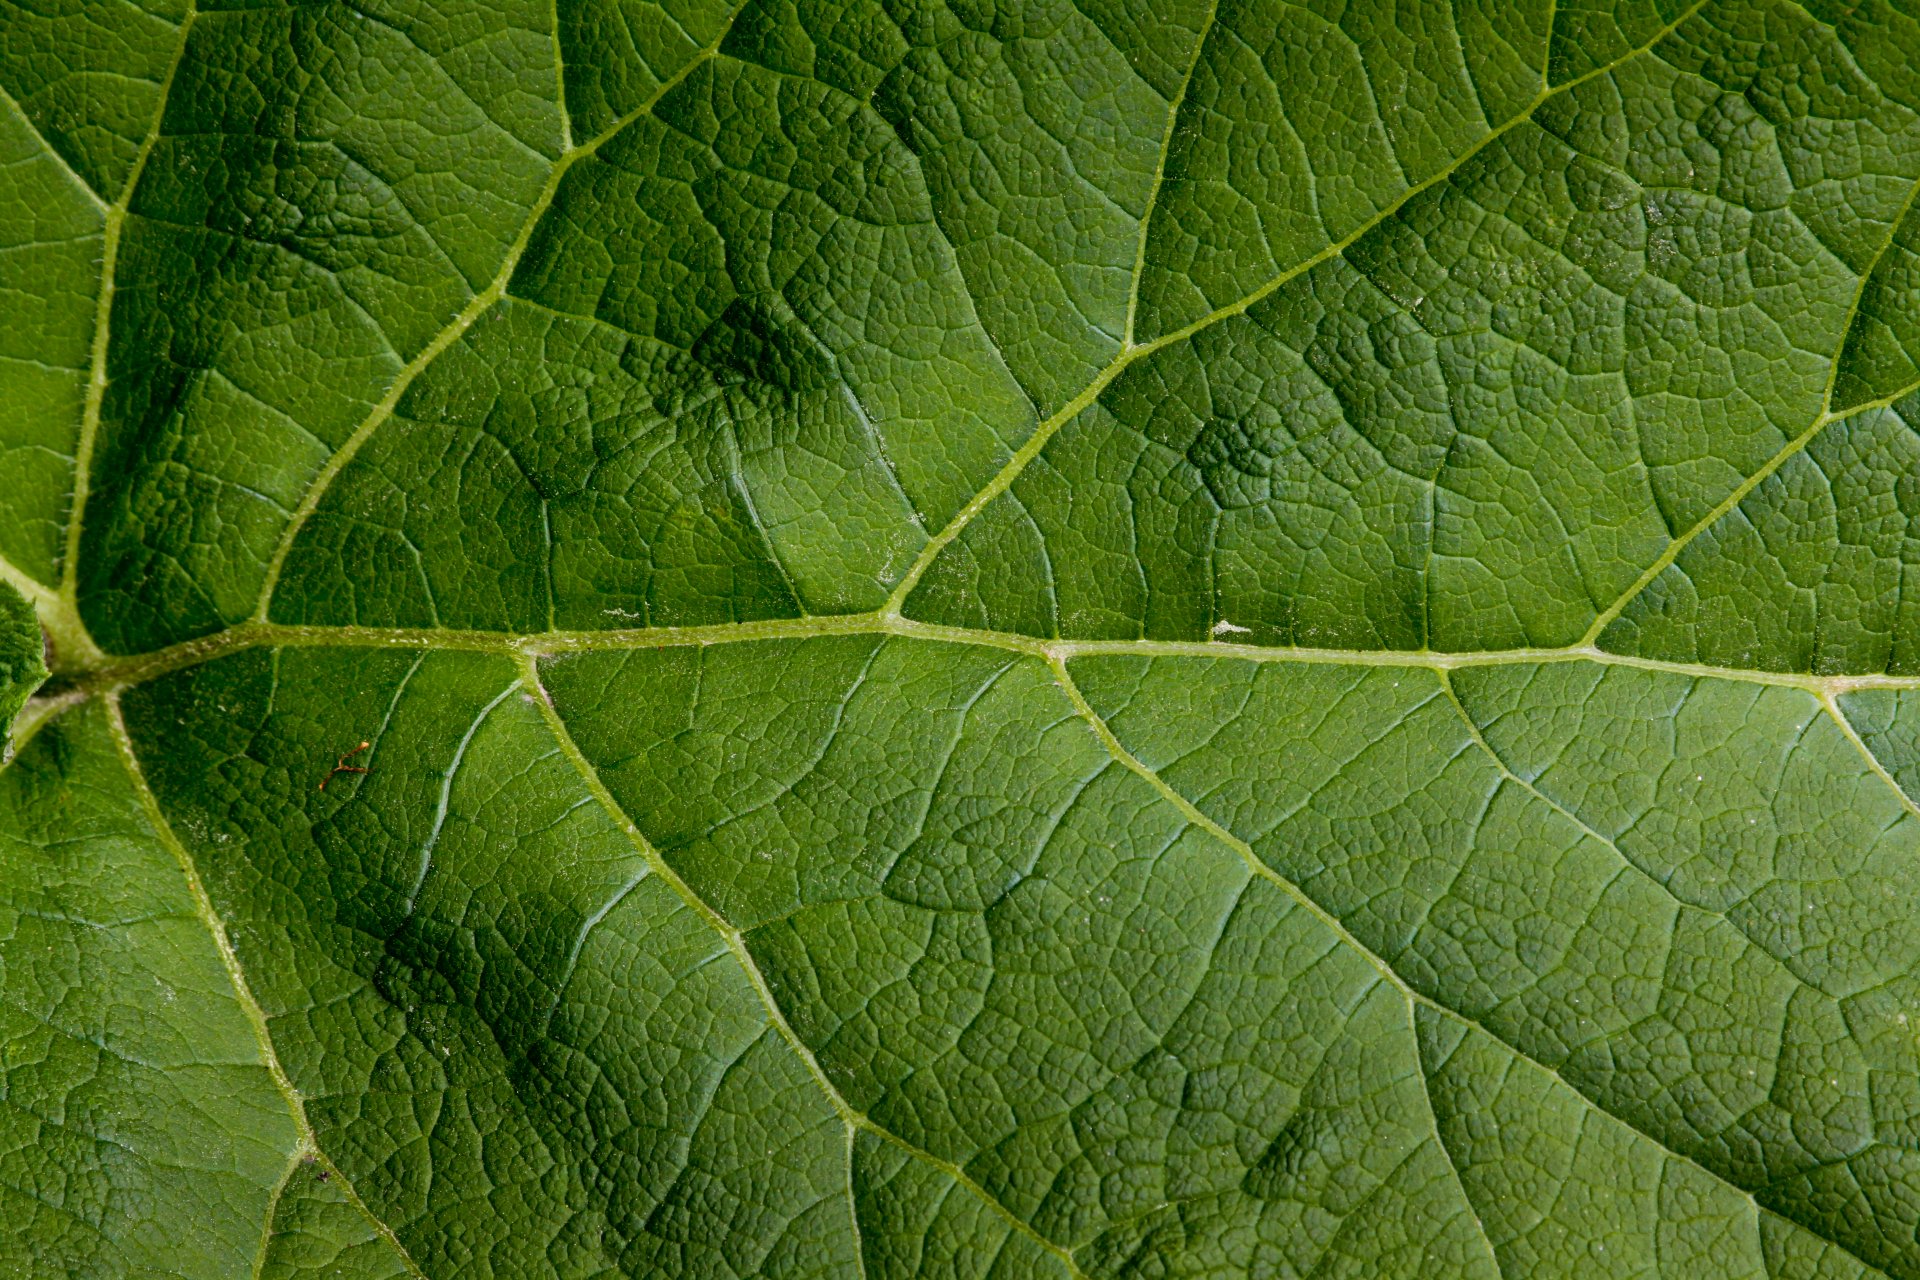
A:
(22, 654)
(960, 639)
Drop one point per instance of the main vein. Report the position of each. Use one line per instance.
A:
(100, 672)
(251, 635)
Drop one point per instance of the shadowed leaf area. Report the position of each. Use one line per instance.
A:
(967, 639)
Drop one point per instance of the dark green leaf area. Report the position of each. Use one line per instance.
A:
(22, 655)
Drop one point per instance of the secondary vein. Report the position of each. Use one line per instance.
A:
(1379, 963)
(307, 1144)
(1130, 352)
(456, 328)
(78, 638)
(735, 942)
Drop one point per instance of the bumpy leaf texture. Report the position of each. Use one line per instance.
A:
(961, 638)
(22, 656)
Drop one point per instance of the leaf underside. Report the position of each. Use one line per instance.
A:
(971, 639)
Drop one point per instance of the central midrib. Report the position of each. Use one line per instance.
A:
(134, 669)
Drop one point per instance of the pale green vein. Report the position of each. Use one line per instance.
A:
(1259, 867)
(456, 328)
(74, 637)
(1027, 452)
(1826, 416)
(294, 1161)
(853, 1118)
(250, 635)
(1761, 1212)
(1198, 818)
(1860, 293)
(308, 1145)
(1160, 169)
(1832, 705)
(1728, 503)
(1131, 351)
(1453, 1167)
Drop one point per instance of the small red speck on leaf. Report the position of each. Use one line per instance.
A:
(341, 765)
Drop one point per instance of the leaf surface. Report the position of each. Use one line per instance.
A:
(960, 640)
